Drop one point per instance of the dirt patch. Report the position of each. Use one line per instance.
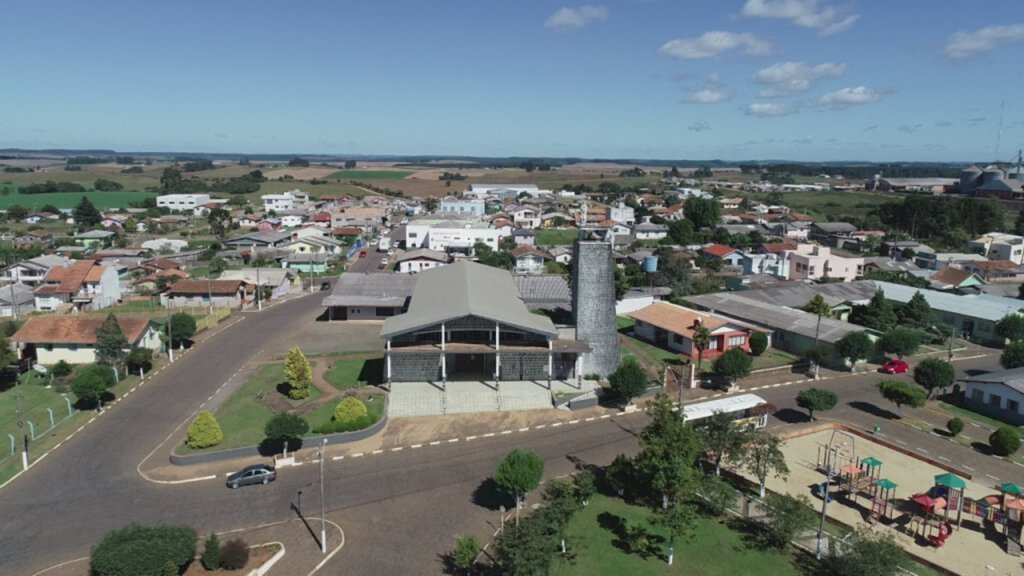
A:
(257, 556)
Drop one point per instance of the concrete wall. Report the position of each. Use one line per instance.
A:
(593, 293)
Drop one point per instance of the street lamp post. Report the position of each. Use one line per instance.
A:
(323, 521)
(824, 507)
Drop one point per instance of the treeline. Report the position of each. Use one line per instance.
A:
(378, 189)
(298, 163)
(939, 217)
(856, 172)
(16, 169)
(171, 182)
(449, 176)
(51, 187)
(196, 165)
(79, 160)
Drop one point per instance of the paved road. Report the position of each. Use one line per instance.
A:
(399, 510)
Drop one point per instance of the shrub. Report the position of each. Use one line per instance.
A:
(139, 359)
(1005, 441)
(204, 431)
(92, 382)
(61, 369)
(955, 426)
(234, 555)
(349, 409)
(142, 550)
(758, 343)
(211, 553)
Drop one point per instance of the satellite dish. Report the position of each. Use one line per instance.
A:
(39, 368)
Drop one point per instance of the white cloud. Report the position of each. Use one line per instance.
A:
(785, 78)
(711, 44)
(711, 93)
(764, 109)
(908, 128)
(566, 19)
(699, 126)
(966, 44)
(826, 20)
(851, 97)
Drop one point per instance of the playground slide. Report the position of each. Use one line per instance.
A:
(944, 531)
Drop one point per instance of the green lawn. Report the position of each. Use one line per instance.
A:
(555, 237)
(714, 550)
(323, 414)
(623, 322)
(102, 200)
(369, 175)
(773, 358)
(824, 202)
(970, 415)
(348, 373)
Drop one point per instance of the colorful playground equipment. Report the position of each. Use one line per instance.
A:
(881, 501)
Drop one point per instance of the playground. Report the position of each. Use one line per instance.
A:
(965, 526)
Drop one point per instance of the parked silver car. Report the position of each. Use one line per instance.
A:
(255, 474)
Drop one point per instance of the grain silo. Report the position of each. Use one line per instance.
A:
(970, 177)
(593, 301)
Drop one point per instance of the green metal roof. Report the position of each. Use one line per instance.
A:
(950, 481)
(871, 461)
(1011, 488)
(886, 484)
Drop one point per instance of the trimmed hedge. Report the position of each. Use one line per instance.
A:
(349, 409)
(204, 431)
(143, 550)
(1005, 441)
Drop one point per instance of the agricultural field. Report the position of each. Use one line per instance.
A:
(825, 202)
(102, 200)
(369, 175)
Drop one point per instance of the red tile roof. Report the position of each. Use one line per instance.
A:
(217, 287)
(778, 247)
(74, 329)
(718, 250)
(69, 280)
(524, 250)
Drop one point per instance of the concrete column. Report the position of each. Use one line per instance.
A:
(497, 351)
(444, 363)
(387, 356)
(550, 363)
(579, 370)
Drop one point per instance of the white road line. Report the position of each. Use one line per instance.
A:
(506, 431)
(620, 413)
(357, 454)
(965, 465)
(606, 416)
(556, 424)
(776, 385)
(338, 458)
(944, 458)
(900, 441)
(468, 438)
(922, 450)
(375, 452)
(539, 426)
(527, 429)
(435, 442)
(574, 421)
(397, 449)
(992, 477)
(489, 434)
(416, 446)
(453, 440)
(91, 419)
(591, 419)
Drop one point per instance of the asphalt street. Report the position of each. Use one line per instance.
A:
(399, 509)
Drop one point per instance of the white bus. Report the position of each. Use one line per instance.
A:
(746, 410)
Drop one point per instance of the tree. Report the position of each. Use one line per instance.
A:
(679, 519)
(620, 474)
(298, 163)
(85, 214)
(285, 428)
(8, 356)
(92, 382)
(142, 550)
(819, 307)
(701, 341)
(104, 185)
(204, 431)
(183, 327)
(717, 495)
(17, 212)
(722, 439)
(463, 556)
(817, 355)
(170, 179)
(518, 473)
(899, 341)
(139, 360)
(350, 164)
(871, 553)
(787, 516)
(955, 426)
(349, 410)
(628, 380)
(669, 449)
(816, 399)
(220, 222)
(60, 369)
(916, 312)
(585, 485)
(758, 342)
(854, 346)
(1011, 327)
(900, 394)
(431, 204)
(878, 314)
(1005, 441)
(234, 554)
(1020, 292)
(131, 225)
(110, 342)
(299, 374)
(764, 456)
(211, 553)
(703, 212)
(732, 365)
(525, 550)
(1013, 355)
(934, 373)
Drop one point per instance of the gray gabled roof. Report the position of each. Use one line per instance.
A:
(371, 289)
(750, 306)
(1014, 378)
(466, 289)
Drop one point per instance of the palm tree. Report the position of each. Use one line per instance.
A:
(701, 340)
(818, 306)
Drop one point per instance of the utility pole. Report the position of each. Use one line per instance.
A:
(824, 506)
(170, 338)
(323, 520)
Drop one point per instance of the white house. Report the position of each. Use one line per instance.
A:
(181, 202)
(443, 235)
(622, 214)
(420, 260)
(529, 260)
(474, 206)
(85, 285)
(997, 394)
(50, 339)
(999, 246)
(649, 231)
(294, 199)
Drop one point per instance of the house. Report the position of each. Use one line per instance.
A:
(84, 284)
(94, 238)
(529, 260)
(294, 199)
(268, 225)
(524, 216)
(306, 263)
(648, 231)
(369, 296)
(421, 259)
(996, 270)
(502, 190)
(16, 300)
(292, 220)
(449, 235)
(950, 278)
(624, 214)
(468, 320)
(474, 206)
(997, 394)
(554, 220)
(258, 240)
(727, 255)
(314, 245)
(810, 262)
(321, 220)
(182, 202)
(672, 327)
(368, 218)
(32, 271)
(234, 294)
(730, 203)
(50, 339)
(34, 237)
(936, 260)
(999, 246)
(278, 280)
(561, 254)
(775, 264)
(523, 237)
(834, 234)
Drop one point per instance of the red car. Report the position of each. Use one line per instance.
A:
(895, 367)
(362, 254)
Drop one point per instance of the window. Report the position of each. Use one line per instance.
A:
(73, 347)
(737, 341)
(1013, 406)
(995, 400)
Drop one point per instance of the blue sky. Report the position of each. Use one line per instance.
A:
(730, 79)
